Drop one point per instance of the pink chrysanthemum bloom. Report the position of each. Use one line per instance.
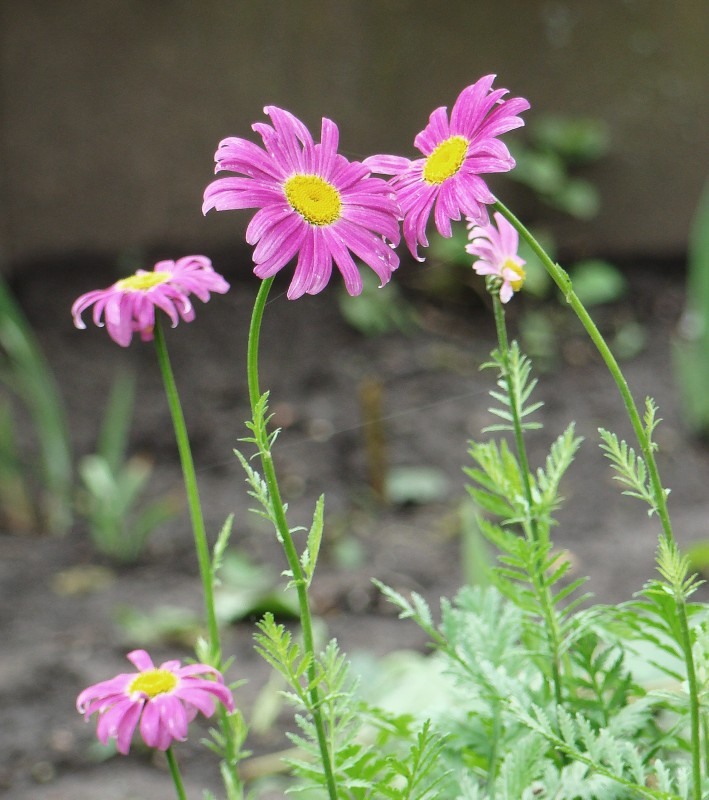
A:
(447, 180)
(129, 305)
(496, 248)
(164, 699)
(312, 203)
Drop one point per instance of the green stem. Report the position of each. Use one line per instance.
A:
(190, 479)
(175, 772)
(562, 280)
(541, 589)
(284, 533)
(495, 746)
(693, 691)
(514, 407)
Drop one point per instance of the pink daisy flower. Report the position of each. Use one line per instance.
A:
(163, 699)
(456, 152)
(496, 248)
(129, 305)
(313, 203)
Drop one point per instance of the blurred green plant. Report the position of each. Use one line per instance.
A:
(27, 375)
(691, 344)
(377, 310)
(556, 147)
(163, 625)
(246, 590)
(114, 486)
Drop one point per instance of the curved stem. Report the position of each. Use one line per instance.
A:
(284, 533)
(562, 280)
(190, 479)
(175, 772)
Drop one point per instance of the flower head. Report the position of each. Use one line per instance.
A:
(446, 181)
(162, 699)
(129, 305)
(313, 203)
(496, 248)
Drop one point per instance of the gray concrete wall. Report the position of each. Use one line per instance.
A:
(112, 109)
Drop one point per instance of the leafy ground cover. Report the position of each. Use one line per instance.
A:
(68, 615)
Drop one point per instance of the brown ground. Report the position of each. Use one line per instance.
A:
(55, 643)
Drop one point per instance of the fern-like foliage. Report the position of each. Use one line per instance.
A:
(515, 389)
(600, 681)
(416, 775)
(507, 738)
(655, 617)
(373, 753)
(259, 491)
(548, 479)
(498, 482)
(551, 707)
(629, 466)
(613, 764)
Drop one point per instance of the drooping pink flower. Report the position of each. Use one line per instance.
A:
(446, 181)
(129, 305)
(313, 203)
(496, 248)
(161, 700)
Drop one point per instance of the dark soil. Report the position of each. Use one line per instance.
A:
(58, 637)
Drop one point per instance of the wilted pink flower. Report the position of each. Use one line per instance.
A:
(129, 305)
(312, 203)
(447, 180)
(496, 248)
(164, 699)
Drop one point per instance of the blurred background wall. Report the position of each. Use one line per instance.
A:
(111, 109)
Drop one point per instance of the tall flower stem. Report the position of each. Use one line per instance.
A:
(501, 329)
(284, 533)
(532, 529)
(562, 280)
(693, 692)
(195, 508)
(175, 772)
(642, 434)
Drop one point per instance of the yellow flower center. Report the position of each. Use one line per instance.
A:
(316, 200)
(445, 160)
(153, 682)
(142, 281)
(519, 270)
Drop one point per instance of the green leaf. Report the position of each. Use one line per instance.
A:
(247, 590)
(416, 485)
(115, 427)
(596, 281)
(378, 309)
(29, 376)
(578, 140)
(309, 557)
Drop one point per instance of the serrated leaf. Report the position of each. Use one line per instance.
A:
(309, 556)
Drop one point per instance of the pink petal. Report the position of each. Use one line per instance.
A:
(301, 276)
(326, 151)
(200, 699)
(346, 265)
(387, 165)
(141, 660)
(437, 131)
(240, 155)
(118, 723)
(126, 728)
